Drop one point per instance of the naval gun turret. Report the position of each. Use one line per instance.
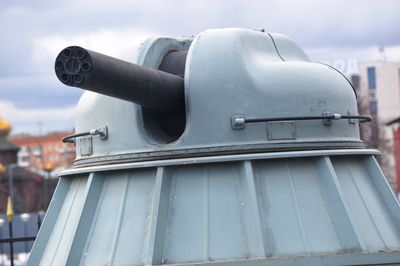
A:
(227, 148)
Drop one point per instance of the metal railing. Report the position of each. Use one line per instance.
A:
(20, 222)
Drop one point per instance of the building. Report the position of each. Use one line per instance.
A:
(45, 154)
(382, 80)
(31, 192)
(8, 150)
(380, 89)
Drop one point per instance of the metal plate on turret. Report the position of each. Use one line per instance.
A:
(281, 130)
(85, 146)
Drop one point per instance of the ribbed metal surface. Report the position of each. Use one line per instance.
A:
(288, 209)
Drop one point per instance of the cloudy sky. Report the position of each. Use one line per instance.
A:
(33, 32)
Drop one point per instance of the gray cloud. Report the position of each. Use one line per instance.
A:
(31, 32)
(37, 92)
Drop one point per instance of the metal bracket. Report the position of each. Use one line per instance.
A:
(328, 121)
(101, 131)
(238, 122)
(351, 120)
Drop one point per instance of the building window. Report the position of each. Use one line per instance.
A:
(37, 150)
(372, 94)
(25, 159)
(371, 78)
(24, 151)
(373, 107)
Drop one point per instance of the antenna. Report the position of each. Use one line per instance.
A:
(40, 128)
(382, 52)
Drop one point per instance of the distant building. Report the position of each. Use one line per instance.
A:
(8, 150)
(31, 192)
(380, 88)
(46, 153)
(382, 80)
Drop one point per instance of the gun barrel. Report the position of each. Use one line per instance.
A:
(150, 88)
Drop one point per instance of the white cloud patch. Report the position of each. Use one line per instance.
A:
(34, 91)
(339, 32)
(34, 120)
(362, 54)
(111, 42)
(347, 59)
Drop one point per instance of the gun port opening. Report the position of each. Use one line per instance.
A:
(67, 52)
(59, 65)
(85, 66)
(80, 53)
(64, 78)
(166, 127)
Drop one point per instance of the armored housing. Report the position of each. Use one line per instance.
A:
(227, 148)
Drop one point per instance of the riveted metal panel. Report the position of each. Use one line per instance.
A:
(295, 217)
(305, 210)
(59, 243)
(117, 232)
(377, 229)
